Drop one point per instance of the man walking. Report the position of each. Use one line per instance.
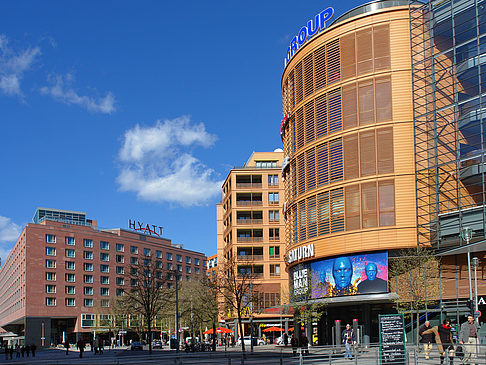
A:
(468, 336)
(348, 339)
(427, 339)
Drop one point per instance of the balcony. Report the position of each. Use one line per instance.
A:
(250, 257)
(248, 203)
(248, 185)
(249, 239)
(249, 221)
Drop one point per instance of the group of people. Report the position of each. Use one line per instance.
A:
(18, 350)
(442, 336)
(294, 342)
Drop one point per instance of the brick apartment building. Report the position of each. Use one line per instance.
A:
(64, 272)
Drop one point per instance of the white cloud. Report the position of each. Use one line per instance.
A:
(62, 91)
(9, 231)
(157, 163)
(13, 65)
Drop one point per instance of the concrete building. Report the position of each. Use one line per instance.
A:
(63, 274)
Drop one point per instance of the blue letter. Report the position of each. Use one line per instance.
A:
(293, 46)
(325, 16)
(310, 29)
(302, 35)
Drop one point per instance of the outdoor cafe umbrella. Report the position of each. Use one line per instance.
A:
(218, 330)
(292, 328)
(272, 329)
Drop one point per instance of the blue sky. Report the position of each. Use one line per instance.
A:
(129, 109)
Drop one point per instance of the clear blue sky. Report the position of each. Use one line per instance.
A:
(138, 109)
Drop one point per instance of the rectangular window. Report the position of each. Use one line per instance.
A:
(381, 47)
(50, 238)
(104, 245)
(158, 254)
(386, 196)
(120, 281)
(70, 289)
(50, 289)
(188, 260)
(274, 269)
(383, 98)
(367, 153)
(272, 180)
(336, 159)
(104, 280)
(50, 264)
(69, 241)
(310, 161)
(179, 268)
(158, 264)
(105, 303)
(87, 266)
(104, 268)
(88, 320)
(88, 255)
(87, 243)
(50, 276)
(188, 270)
(88, 279)
(197, 270)
(105, 292)
(120, 247)
(348, 55)
(88, 290)
(69, 265)
(350, 106)
(274, 252)
(197, 261)
(384, 144)
(120, 259)
(352, 208)
(88, 303)
(274, 234)
(364, 51)
(170, 266)
(322, 165)
(120, 292)
(50, 251)
(69, 302)
(179, 258)
(133, 282)
(366, 102)
(120, 270)
(69, 252)
(134, 260)
(368, 205)
(273, 215)
(104, 256)
(71, 278)
(51, 302)
(169, 256)
(351, 165)
(337, 210)
(134, 250)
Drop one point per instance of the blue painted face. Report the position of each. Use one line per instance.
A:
(342, 271)
(371, 271)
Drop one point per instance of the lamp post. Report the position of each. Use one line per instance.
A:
(467, 235)
(177, 311)
(251, 317)
(475, 264)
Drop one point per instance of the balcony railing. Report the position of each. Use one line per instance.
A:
(274, 239)
(249, 239)
(248, 185)
(274, 274)
(274, 256)
(250, 257)
(247, 203)
(249, 221)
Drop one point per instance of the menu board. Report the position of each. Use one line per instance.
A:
(392, 339)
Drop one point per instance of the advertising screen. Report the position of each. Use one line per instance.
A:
(339, 276)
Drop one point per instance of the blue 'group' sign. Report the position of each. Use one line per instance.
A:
(313, 26)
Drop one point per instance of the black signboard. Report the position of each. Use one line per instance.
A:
(392, 339)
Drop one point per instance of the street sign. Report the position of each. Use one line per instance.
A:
(477, 314)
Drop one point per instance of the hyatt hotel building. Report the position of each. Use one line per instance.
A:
(63, 274)
(384, 150)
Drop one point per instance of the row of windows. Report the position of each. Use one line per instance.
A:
(71, 302)
(355, 54)
(356, 206)
(358, 104)
(87, 290)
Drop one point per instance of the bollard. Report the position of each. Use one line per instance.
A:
(301, 358)
(281, 360)
(355, 356)
(330, 357)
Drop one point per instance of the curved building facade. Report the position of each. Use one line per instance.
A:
(349, 170)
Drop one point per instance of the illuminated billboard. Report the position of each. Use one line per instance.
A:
(340, 276)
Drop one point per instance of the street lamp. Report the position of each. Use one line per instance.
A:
(467, 235)
(177, 310)
(251, 317)
(475, 265)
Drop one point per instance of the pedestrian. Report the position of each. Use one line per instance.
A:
(33, 347)
(11, 351)
(349, 339)
(66, 345)
(81, 346)
(22, 350)
(101, 344)
(6, 350)
(426, 340)
(17, 351)
(304, 342)
(443, 339)
(27, 350)
(96, 343)
(294, 342)
(285, 339)
(468, 336)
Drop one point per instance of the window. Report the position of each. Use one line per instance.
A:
(104, 245)
(120, 247)
(87, 266)
(70, 289)
(69, 265)
(50, 264)
(104, 268)
(105, 291)
(105, 303)
(50, 238)
(146, 251)
(197, 261)
(120, 259)
(386, 197)
(88, 255)
(169, 256)
(50, 302)
(273, 215)
(179, 268)
(69, 252)
(120, 281)
(70, 278)
(274, 269)
(69, 302)
(88, 290)
(197, 270)
(87, 243)
(273, 198)
(204, 263)
(120, 270)
(88, 320)
(158, 254)
(88, 303)
(69, 241)
(104, 256)
(50, 251)
(88, 279)
(170, 266)
(265, 164)
(188, 269)
(274, 252)
(158, 264)
(104, 280)
(133, 250)
(274, 234)
(368, 205)
(133, 282)
(188, 260)
(272, 180)
(120, 292)
(133, 260)
(51, 289)
(188, 278)
(179, 258)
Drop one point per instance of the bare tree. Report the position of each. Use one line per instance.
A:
(145, 292)
(236, 288)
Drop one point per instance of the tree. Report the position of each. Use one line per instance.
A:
(236, 289)
(415, 277)
(145, 292)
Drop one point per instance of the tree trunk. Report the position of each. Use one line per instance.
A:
(240, 324)
(149, 326)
